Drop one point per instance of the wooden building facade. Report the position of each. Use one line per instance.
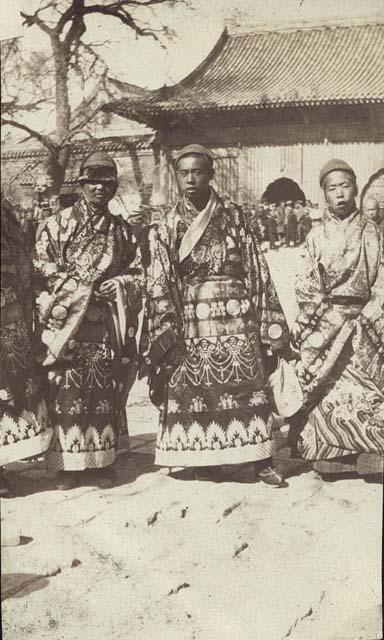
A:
(274, 103)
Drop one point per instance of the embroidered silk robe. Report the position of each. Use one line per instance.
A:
(89, 357)
(340, 334)
(207, 278)
(24, 428)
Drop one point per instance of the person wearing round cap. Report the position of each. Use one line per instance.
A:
(87, 320)
(212, 322)
(339, 333)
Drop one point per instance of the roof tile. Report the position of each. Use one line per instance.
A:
(312, 66)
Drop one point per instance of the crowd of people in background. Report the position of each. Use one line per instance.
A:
(285, 223)
(275, 224)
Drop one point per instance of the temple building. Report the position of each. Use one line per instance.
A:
(275, 103)
(271, 103)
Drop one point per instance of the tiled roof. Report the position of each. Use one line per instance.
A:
(276, 68)
(110, 145)
(28, 178)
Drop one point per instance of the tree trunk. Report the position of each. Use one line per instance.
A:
(56, 168)
(57, 165)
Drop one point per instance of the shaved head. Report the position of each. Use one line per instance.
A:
(371, 209)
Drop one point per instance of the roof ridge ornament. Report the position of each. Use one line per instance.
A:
(235, 28)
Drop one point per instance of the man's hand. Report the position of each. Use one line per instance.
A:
(6, 396)
(54, 324)
(107, 290)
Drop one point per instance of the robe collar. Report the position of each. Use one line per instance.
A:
(198, 226)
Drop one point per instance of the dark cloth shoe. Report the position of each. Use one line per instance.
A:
(288, 462)
(271, 476)
(267, 473)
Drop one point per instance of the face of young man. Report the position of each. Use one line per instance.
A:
(98, 193)
(194, 176)
(340, 191)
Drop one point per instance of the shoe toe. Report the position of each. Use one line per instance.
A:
(271, 477)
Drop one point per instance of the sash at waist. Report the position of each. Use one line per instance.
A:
(345, 300)
(193, 281)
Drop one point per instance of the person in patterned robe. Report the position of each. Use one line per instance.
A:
(339, 332)
(211, 325)
(88, 306)
(24, 428)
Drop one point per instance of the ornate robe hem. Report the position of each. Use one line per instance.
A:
(199, 458)
(64, 461)
(22, 449)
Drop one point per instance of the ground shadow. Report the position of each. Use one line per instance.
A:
(136, 458)
(19, 585)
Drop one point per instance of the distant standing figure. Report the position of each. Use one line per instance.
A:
(371, 210)
(290, 222)
(304, 226)
(280, 221)
(272, 226)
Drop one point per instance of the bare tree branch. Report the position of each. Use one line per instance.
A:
(77, 28)
(77, 128)
(52, 146)
(71, 66)
(11, 106)
(34, 20)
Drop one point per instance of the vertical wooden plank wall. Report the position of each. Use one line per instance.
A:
(302, 162)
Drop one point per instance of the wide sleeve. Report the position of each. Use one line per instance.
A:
(308, 289)
(61, 294)
(374, 308)
(131, 275)
(15, 347)
(128, 281)
(369, 340)
(163, 308)
(270, 317)
(48, 272)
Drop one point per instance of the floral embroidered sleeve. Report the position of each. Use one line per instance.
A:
(370, 328)
(270, 317)
(131, 276)
(162, 311)
(374, 308)
(47, 274)
(15, 348)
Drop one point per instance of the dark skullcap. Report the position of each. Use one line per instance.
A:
(198, 150)
(335, 165)
(98, 166)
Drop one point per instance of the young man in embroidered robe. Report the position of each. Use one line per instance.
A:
(339, 332)
(212, 324)
(88, 318)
